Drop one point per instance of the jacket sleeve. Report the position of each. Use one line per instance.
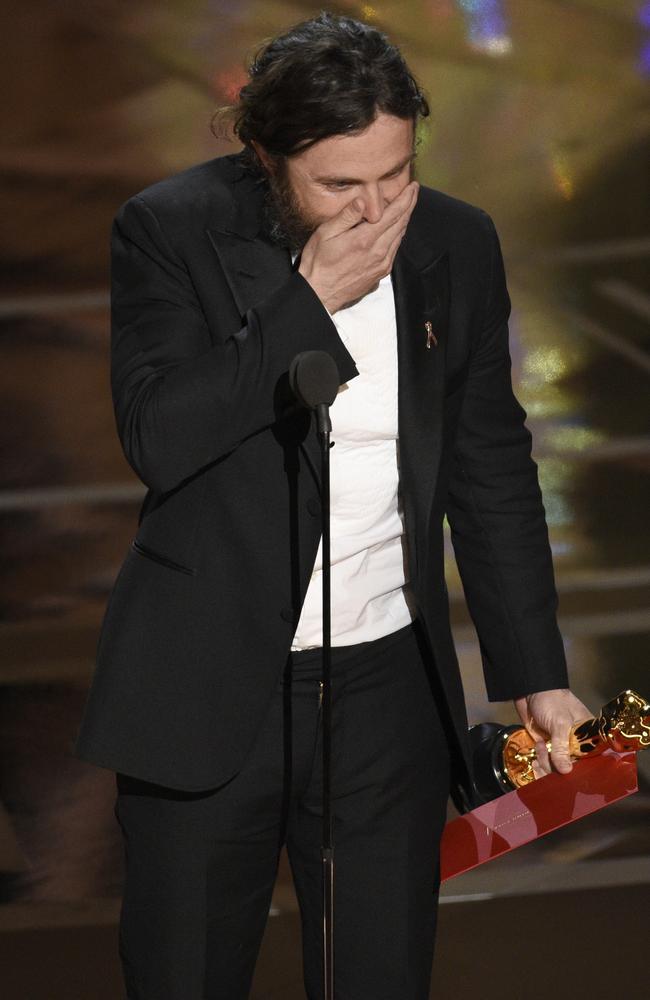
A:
(497, 518)
(181, 401)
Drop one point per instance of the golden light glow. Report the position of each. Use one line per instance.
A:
(544, 364)
(561, 174)
(498, 46)
(571, 438)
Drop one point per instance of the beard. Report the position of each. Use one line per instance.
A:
(284, 221)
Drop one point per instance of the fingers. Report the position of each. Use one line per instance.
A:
(542, 765)
(400, 206)
(352, 213)
(397, 212)
(393, 248)
(551, 715)
(349, 216)
(558, 759)
(385, 244)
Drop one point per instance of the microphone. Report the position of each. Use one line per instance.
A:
(314, 379)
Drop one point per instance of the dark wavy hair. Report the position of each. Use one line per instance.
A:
(326, 76)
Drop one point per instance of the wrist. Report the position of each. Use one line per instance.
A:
(327, 301)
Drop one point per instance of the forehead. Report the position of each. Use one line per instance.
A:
(366, 155)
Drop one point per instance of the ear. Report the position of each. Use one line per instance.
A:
(264, 157)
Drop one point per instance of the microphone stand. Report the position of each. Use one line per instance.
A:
(314, 379)
(327, 850)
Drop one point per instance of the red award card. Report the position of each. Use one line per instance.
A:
(523, 815)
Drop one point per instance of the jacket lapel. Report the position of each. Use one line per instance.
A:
(253, 266)
(421, 288)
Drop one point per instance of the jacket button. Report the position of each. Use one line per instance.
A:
(314, 506)
(288, 614)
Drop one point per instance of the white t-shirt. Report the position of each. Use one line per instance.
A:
(370, 594)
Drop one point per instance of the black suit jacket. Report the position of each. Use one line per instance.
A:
(207, 316)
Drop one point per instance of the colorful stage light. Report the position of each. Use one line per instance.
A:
(487, 26)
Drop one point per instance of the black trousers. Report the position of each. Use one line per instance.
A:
(200, 866)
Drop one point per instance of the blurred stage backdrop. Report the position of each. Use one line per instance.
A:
(539, 116)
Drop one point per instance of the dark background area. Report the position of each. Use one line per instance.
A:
(540, 116)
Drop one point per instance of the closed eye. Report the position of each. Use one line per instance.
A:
(341, 185)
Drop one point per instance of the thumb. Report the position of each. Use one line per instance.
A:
(560, 755)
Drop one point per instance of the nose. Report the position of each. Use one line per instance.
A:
(374, 202)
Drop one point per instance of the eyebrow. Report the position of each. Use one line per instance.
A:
(357, 180)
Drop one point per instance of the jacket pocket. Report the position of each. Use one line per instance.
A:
(143, 550)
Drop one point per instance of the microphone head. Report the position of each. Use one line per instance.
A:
(314, 378)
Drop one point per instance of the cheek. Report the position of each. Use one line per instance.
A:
(327, 204)
(312, 206)
(394, 187)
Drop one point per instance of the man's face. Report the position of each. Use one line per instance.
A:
(312, 186)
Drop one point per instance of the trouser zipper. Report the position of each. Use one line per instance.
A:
(320, 694)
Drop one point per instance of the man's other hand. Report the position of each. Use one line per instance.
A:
(346, 255)
(550, 715)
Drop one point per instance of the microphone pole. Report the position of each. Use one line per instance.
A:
(327, 852)
(315, 380)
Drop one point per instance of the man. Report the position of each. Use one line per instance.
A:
(205, 698)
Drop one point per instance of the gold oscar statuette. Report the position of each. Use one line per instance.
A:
(623, 725)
